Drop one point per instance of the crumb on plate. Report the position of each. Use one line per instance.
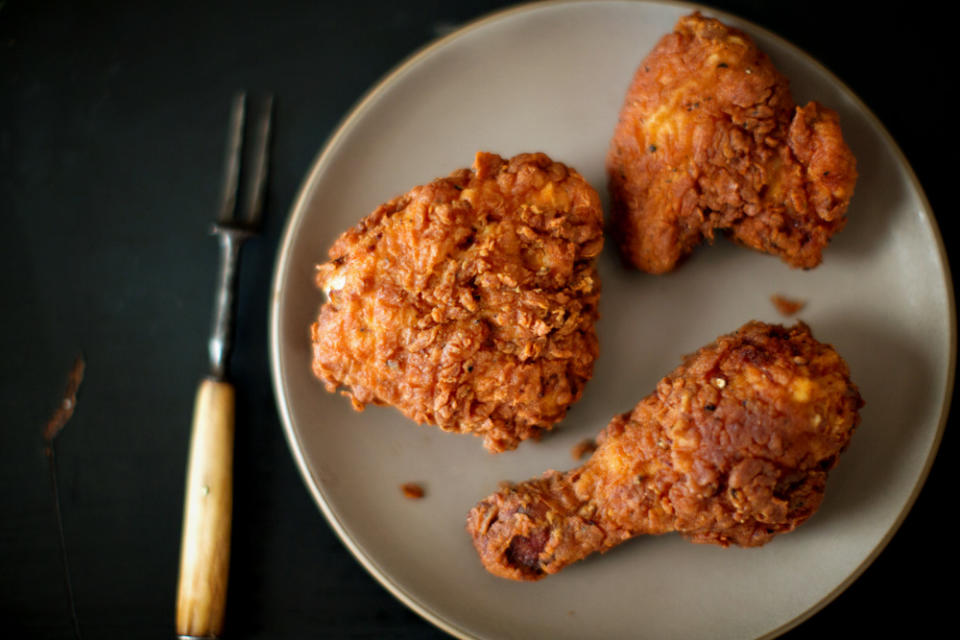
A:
(787, 306)
(412, 490)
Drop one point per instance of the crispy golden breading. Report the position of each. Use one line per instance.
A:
(710, 138)
(732, 448)
(469, 302)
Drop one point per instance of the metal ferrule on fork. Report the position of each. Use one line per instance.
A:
(221, 332)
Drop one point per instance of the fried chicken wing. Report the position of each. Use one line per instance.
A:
(733, 447)
(470, 302)
(710, 138)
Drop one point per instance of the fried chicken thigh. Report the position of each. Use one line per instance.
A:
(709, 138)
(470, 302)
(733, 447)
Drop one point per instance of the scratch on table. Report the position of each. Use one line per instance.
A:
(64, 411)
(51, 430)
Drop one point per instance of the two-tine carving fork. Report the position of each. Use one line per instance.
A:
(208, 502)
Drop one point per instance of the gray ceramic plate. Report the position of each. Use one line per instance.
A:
(551, 78)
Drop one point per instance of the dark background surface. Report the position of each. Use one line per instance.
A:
(112, 124)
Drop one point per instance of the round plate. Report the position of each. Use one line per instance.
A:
(552, 78)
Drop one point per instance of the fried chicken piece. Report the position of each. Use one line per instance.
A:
(709, 138)
(732, 448)
(470, 302)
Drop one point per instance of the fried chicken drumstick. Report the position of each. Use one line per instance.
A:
(733, 447)
(710, 138)
(469, 302)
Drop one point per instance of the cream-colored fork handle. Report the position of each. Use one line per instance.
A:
(205, 546)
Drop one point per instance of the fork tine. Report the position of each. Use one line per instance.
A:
(231, 175)
(259, 162)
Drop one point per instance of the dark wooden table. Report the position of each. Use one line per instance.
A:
(112, 121)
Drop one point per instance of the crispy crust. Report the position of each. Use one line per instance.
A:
(732, 448)
(709, 138)
(469, 302)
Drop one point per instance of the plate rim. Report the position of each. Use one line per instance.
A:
(295, 218)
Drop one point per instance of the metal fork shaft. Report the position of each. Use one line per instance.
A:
(221, 332)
